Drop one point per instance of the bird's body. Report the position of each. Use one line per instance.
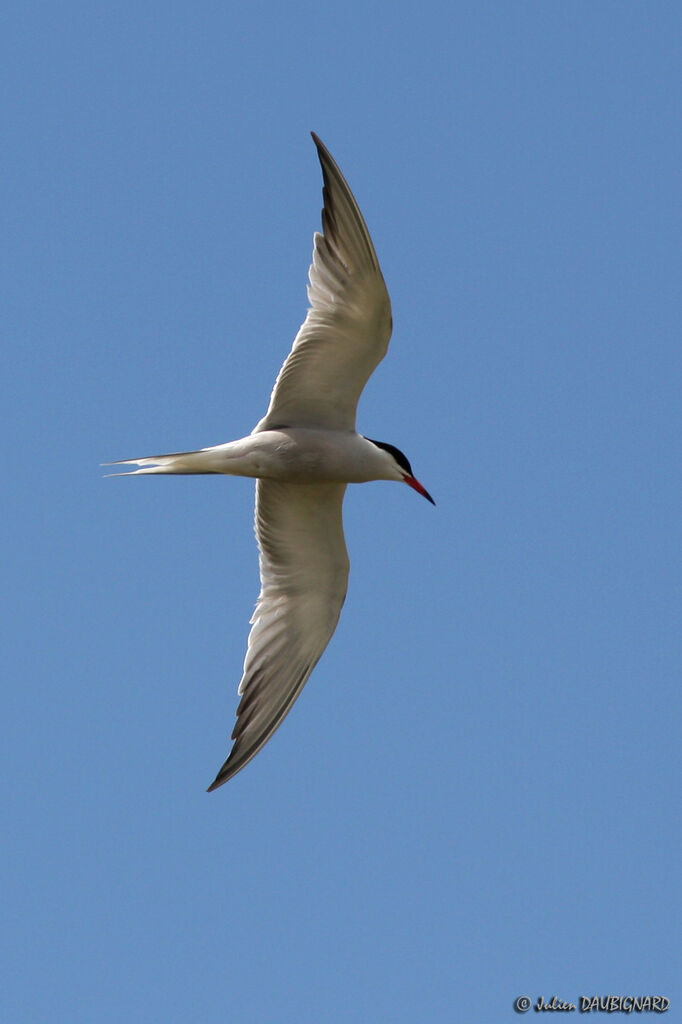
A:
(303, 453)
(298, 455)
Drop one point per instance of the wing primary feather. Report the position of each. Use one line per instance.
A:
(239, 758)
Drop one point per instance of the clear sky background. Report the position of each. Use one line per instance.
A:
(477, 795)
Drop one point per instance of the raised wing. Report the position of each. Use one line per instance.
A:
(346, 332)
(304, 576)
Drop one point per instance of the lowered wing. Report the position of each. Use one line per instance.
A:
(304, 576)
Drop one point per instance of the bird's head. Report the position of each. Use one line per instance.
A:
(398, 467)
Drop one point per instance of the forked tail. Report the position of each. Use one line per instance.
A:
(202, 461)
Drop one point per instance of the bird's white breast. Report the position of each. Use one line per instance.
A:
(300, 455)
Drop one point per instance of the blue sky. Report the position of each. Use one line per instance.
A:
(477, 795)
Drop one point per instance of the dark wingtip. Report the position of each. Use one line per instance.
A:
(322, 151)
(223, 775)
(227, 770)
(217, 782)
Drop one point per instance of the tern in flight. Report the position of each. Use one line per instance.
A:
(303, 453)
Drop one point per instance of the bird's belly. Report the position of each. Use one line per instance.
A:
(299, 455)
